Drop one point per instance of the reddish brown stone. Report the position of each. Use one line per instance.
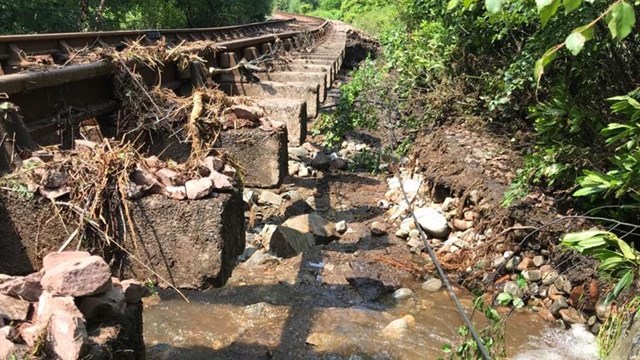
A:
(13, 308)
(26, 288)
(82, 277)
(55, 258)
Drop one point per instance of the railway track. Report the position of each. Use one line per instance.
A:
(56, 81)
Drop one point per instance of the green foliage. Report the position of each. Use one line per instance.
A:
(22, 16)
(618, 259)
(493, 336)
(354, 110)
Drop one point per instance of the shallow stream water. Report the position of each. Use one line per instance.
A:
(211, 326)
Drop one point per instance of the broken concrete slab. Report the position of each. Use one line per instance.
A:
(320, 78)
(291, 112)
(191, 243)
(270, 89)
(262, 156)
(302, 65)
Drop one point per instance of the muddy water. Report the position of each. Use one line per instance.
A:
(211, 326)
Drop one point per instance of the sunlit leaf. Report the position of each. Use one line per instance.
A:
(493, 6)
(626, 249)
(570, 5)
(546, 58)
(452, 4)
(547, 12)
(575, 42)
(620, 20)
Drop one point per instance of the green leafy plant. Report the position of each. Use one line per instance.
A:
(492, 335)
(618, 259)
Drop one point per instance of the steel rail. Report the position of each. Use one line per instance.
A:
(31, 80)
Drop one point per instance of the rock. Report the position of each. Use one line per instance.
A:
(7, 348)
(572, 316)
(105, 306)
(54, 179)
(378, 228)
(545, 314)
(341, 227)
(199, 188)
(9, 332)
(134, 291)
(261, 258)
(300, 233)
(398, 327)
(549, 276)
(13, 309)
(558, 305)
(293, 168)
(462, 225)
(295, 208)
(553, 293)
(497, 262)
(321, 161)
(148, 182)
(211, 163)
(252, 113)
(269, 198)
(532, 275)
(82, 277)
(512, 263)
(55, 258)
(304, 171)
(249, 196)
(176, 192)
(563, 284)
(33, 335)
(526, 264)
(603, 311)
(414, 234)
(402, 234)
(26, 288)
(66, 333)
(339, 164)
(416, 245)
(403, 293)
(538, 260)
(168, 177)
(220, 181)
(433, 222)
(432, 285)
(512, 287)
(298, 153)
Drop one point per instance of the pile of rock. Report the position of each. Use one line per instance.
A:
(451, 227)
(153, 176)
(247, 116)
(306, 160)
(59, 311)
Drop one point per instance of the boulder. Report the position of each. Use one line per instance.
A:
(106, 306)
(572, 316)
(66, 337)
(399, 327)
(13, 308)
(82, 277)
(432, 221)
(220, 181)
(432, 285)
(55, 258)
(300, 233)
